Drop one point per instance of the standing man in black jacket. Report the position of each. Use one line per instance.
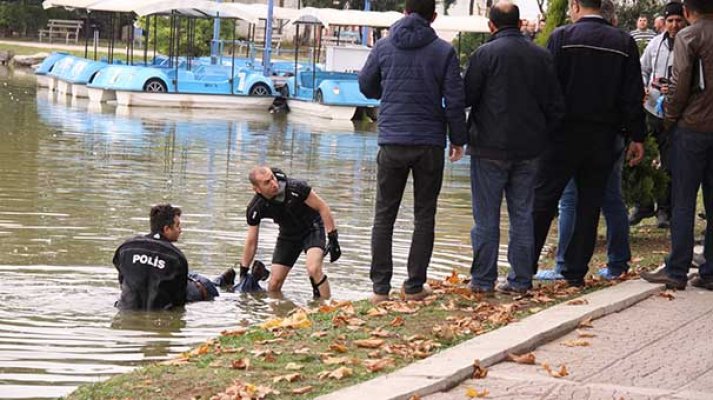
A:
(417, 78)
(598, 69)
(515, 102)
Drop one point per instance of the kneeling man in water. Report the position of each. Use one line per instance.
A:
(303, 218)
(153, 273)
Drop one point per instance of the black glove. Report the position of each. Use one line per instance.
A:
(333, 248)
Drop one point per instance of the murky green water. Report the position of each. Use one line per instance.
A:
(76, 180)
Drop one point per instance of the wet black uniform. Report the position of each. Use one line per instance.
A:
(153, 274)
(301, 227)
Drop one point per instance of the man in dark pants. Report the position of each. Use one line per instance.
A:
(599, 72)
(303, 218)
(417, 78)
(656, 64)
(153, 273)
(515, 102)
(689, 106)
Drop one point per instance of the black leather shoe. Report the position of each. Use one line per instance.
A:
(660, 276)
(702, 283)
(638, 214)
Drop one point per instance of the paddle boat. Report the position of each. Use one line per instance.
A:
(45, 67)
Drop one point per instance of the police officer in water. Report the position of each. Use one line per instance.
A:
(303, 218)
(153, 273)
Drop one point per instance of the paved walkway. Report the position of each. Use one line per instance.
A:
(62, 46)
(656, 349)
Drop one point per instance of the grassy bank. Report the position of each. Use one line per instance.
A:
(316, 351)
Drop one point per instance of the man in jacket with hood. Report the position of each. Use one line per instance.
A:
(417, 78)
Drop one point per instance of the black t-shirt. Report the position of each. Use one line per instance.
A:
(152, 273)
(294, 217)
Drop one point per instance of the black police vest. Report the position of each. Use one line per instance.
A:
(152, 273)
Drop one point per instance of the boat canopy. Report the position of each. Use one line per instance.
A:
(467, 23)
(334, 17)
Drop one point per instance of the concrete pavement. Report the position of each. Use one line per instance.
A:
(447, 369)
(656, 349)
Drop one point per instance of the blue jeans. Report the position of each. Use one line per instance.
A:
(615, 214)
(691, 166)
(489, 179)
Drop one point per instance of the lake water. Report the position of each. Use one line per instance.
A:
(76, 180)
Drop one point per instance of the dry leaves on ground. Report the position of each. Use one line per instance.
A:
(376, 312)
(298, 320)
(369, 343)
(338, 348)
(338, 374)
(473, 393)
(235, 332)
(583, 334)
(378, 365)
(575, 343)
(586, 323)
(244, 391)
(577, 302)
(396, 322)
(479, 372)
(562, 372)
(294, 366)
(668, 295)
(527, 358)
(242, 363)
(287, 378)
(302, 390)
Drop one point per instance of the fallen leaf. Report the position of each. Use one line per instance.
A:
(575, 343)
(415, 397)
(303, 350)
(243, 363)
(586, 323)
(302, 390)
(527, 358)
(473, 393)
(381, 333)
(577, 302)
(298, 320)
(479, 372)
(326, 308)
(376, 312)
(319, 334)
(235, 332)
(396, 322)
(453, 278)
(271, 341)
(374, 354)
(287, 378)
(338, 374)
(233, 350)
(336, 360)
(668, 295)
(176, 361)
(556, 374)
(338, 347)
(584, 334)
(378, 365)
(294, 366)
(369, 343)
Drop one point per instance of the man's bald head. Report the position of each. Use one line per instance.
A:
(505, 14)
(257, 172)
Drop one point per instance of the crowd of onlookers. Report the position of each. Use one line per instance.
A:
(549, 130)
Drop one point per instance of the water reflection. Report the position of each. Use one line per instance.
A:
(77, 179)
